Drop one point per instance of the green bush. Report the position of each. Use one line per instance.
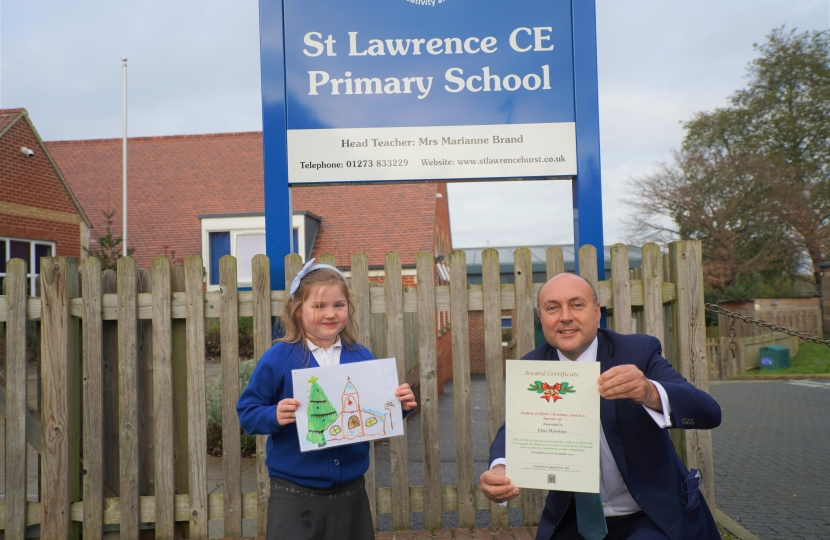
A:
(213, 341)
(214, 414)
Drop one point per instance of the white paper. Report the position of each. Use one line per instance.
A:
(553, 426)
(347, 403)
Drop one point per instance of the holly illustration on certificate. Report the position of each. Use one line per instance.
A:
(553, 425)
(346, 404)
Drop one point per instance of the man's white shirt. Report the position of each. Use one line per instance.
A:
(326, 357)
(616, 499)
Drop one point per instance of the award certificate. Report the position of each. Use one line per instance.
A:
(552, 425)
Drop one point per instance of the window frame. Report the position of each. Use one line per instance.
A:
(31, 276)
(241, 224)
(236, 226)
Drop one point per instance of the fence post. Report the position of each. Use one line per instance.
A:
(327, 258)
(554, 261)
(61, 397)
(588, 264)
(293, 265)
(395, 348)
(532, 499)
(128, 424)
(463, 408)
(93, 400)
(163, 399)
(621, 288)
(16, 383)
(196, 408)
(261, 288)
(231, 443)
(652, 270)
(363, 318)
(429, 390)
(725, 358)
(493, 360)
(690, 348)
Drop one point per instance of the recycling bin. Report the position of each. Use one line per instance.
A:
(774, 357)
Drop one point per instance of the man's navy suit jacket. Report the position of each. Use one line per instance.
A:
(644, 453)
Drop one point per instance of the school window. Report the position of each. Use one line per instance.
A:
(220, 245)
(30, 251)
(243, 236)
(506, 330)
(240, 235)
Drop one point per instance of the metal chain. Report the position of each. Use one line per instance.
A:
(733, 347)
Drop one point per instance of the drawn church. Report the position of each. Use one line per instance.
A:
(355, 421)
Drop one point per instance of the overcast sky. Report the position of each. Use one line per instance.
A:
(194, 68)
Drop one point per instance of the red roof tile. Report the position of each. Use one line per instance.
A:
(172, 180)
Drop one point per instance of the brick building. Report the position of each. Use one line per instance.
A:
(39, 215)
(203, 195)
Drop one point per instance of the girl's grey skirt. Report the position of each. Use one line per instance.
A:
(301, 513)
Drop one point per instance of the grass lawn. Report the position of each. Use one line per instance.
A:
(724, 534)
(811, 359)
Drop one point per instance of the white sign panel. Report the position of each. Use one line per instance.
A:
(347, 403)
(428, 152)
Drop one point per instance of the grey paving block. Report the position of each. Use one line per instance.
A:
(771, 453)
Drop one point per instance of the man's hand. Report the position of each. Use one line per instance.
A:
(406, 397)
(286, 410)
(496, 486)
(628, 382)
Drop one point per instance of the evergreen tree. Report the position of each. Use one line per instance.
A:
(320, 414)
(109, 245)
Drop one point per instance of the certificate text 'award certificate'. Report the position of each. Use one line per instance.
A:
(553, 427)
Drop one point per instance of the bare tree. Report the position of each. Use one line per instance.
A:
(725, 204)
(752, 180)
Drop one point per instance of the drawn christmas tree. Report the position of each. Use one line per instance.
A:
(321, 414)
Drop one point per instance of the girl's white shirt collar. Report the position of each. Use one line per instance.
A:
(326, 357)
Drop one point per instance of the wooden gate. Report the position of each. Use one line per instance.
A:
(120, 426)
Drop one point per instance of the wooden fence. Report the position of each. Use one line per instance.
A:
(807, 320)
(747, 353)
(120, 429)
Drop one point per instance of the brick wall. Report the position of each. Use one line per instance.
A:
(32, 183)
(444, 358)
(476, 341)
(67, 237)
(407, 281)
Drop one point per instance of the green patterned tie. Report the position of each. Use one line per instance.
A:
(590, 519)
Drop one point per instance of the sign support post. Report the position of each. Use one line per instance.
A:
(278, 225)
(587, 185)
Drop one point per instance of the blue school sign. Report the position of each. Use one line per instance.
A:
(408, 90)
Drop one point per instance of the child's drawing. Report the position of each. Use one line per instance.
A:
(368, 408)
(320, 414)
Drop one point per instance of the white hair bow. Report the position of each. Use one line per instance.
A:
(307, 269)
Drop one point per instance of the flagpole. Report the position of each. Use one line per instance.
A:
(124, 150)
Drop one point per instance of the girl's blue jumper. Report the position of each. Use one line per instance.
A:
(257, 408)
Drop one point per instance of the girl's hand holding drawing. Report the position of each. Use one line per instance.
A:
(406, 397)
(286, 411)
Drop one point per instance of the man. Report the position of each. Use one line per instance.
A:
(641, 475)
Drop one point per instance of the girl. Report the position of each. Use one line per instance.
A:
(314, 495)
